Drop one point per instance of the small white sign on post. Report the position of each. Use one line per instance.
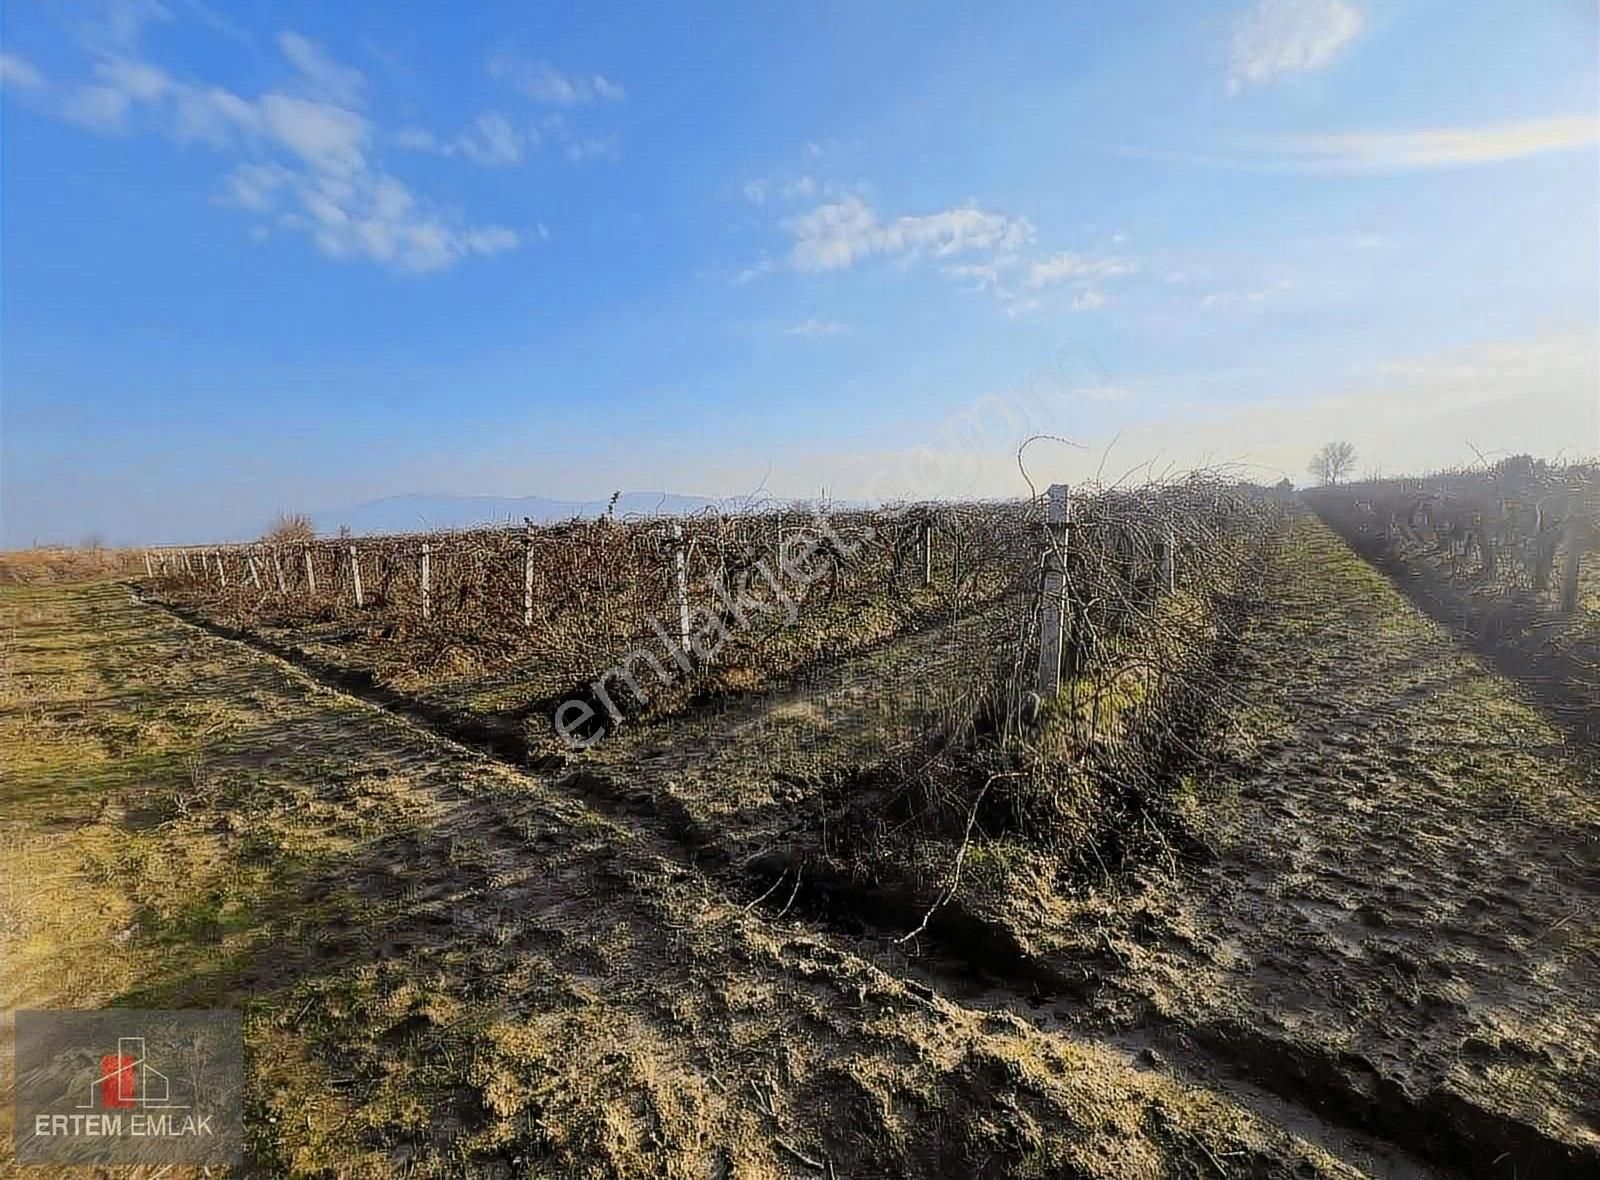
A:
(1052, 605)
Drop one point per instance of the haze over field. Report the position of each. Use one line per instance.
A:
(263, 259)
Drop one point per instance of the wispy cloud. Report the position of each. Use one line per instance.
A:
(1278, 38)
(308, 166)
(321, 76)
(491, 140)
(1224, 300)
(1434, 148)
(838, 235)
(1069, 267)
(1377, 152)
(592, 147)
(19, 72)
(542, 82)
(816, 327)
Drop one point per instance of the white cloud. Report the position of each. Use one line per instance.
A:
(593, 148)
(328, 138)
(800, 188)
(1434, 148)
(1087, 301)
(364, 215)
(213, 115)
(1224, 300)
(323, 77)
(1283, 37)
(19, 72)
(492, 141)
(751, 273)
(138, 80)
(308, 163)
(119, 27)
(837, 235)
(986, 276)
(816, 327)
(1068, 267)
(102, 108)
(542, 82)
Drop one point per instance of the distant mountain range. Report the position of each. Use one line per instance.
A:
(416, 513)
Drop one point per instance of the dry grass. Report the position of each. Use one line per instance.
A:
(448, 967)
(53, 564)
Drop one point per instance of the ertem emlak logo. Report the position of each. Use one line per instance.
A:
(127, 1086)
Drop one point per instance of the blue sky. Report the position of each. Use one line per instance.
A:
(262, 257)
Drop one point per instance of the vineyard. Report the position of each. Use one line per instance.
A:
(1114, 831)
(1508, 552)
(515, 623)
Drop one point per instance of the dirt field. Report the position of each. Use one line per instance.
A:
(1366, 940)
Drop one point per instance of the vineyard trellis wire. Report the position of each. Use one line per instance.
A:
(1519, 527)
(554, 606)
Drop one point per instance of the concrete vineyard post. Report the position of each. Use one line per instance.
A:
(927, 552)
(680, 578)
(148, 572)
(1053, 596)
(222, 574)
(1573, 539)
(425, 602)
(311, 574)
(355, 576)
(277, 568)
(250, 563)
(1169, 560)
(527, 579)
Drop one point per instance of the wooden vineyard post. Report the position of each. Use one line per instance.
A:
(426, 605)
(955, 564)
(1053, 596)
(250, 563)
(355, 576)
(277, 568)
(311, 574)
(527, 578)
(680, 579)
(1574, 541)
(148, 572)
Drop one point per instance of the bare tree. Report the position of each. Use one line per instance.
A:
(290, 527)
(1333, 462)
